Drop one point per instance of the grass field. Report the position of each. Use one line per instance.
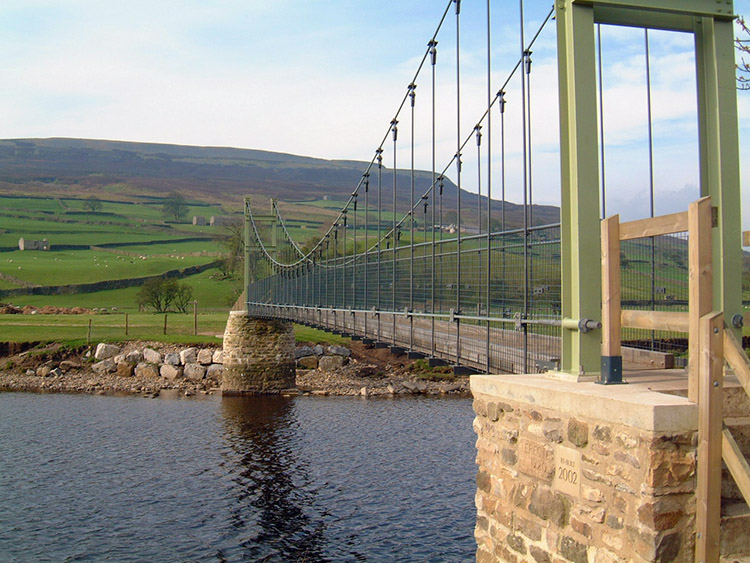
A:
(74, 329)
(64, 268)
(210, 293)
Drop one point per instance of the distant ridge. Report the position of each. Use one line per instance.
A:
(67, 167)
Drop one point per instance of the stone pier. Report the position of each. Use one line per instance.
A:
(583, 472)
(258, 355)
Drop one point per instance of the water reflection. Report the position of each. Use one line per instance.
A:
(272, 516)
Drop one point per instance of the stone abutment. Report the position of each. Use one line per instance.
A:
(258, 355)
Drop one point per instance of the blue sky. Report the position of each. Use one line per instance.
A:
(325, 78)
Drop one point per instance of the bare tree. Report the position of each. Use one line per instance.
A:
(174, 207)
(742, 44)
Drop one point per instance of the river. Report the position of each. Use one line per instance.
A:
(272, 479)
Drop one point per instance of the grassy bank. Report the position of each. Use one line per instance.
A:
(74, 329)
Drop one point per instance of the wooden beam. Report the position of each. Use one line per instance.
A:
(736, 463)
(654, 226)
(746, 238)
(611, 287)
(737, 359)
(700, 290)
(708, 490)
(655, 320)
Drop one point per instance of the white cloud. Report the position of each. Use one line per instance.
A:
(324, 79)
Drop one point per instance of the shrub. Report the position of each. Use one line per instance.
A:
(165, 294)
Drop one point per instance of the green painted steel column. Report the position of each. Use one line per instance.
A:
(580, 234)
(719, 154)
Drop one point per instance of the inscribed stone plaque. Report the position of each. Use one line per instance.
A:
(535, 459)
(567, 471)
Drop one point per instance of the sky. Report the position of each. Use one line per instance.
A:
(325, 79)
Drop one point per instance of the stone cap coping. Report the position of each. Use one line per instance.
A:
(629, 405)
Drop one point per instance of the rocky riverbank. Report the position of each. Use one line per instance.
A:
(148, 368)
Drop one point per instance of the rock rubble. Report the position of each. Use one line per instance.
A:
(148, 368)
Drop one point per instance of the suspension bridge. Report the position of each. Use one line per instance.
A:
(484, 292)
(566, 468)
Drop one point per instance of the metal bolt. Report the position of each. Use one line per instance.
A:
(716, 383)
(716, 330)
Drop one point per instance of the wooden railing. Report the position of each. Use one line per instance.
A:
(710, 345)
(697, 221)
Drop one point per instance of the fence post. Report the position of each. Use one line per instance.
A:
(195, 318)
(708, 489)
(700, 283)
(611, 302)
(88, 334)
(165, 323)
(126, 324)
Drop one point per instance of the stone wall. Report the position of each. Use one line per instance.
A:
(570, 472)
(258, 355)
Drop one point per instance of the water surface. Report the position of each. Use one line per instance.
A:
(92, 478)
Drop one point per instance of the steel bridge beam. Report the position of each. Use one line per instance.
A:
(711, 22)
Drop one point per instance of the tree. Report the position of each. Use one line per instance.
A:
(174, 207)
(165, 294)
(742, 44)
(92, 203)
(232, 241)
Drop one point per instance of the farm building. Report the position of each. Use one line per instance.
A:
(199, 220)
(218, 221)
(33, 244)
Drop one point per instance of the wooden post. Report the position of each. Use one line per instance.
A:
(195, 318)
(126, 324)
(700, 283)
(611, 305)
(165, 323)
(708, 493)
(88, 334)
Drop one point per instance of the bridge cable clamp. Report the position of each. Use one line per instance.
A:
(738, 321)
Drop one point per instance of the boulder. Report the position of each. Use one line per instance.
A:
(66, 365)
(194, 372)
(146, 370)
(170, 372)
(308, 362)
(218, 357)
(303, 351)
(339, 351)
(215, 371)
(125, 369)
(42, 371)
(188, 356)
(151, 356)
(55, 372)
(205, 357)
(134, 357)
(106, 351)
(119, 358)
(172, 359)
(318, 350)
(330, 363)
(410, 386)
(105, 366)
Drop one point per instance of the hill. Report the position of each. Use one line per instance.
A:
(127, 171)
